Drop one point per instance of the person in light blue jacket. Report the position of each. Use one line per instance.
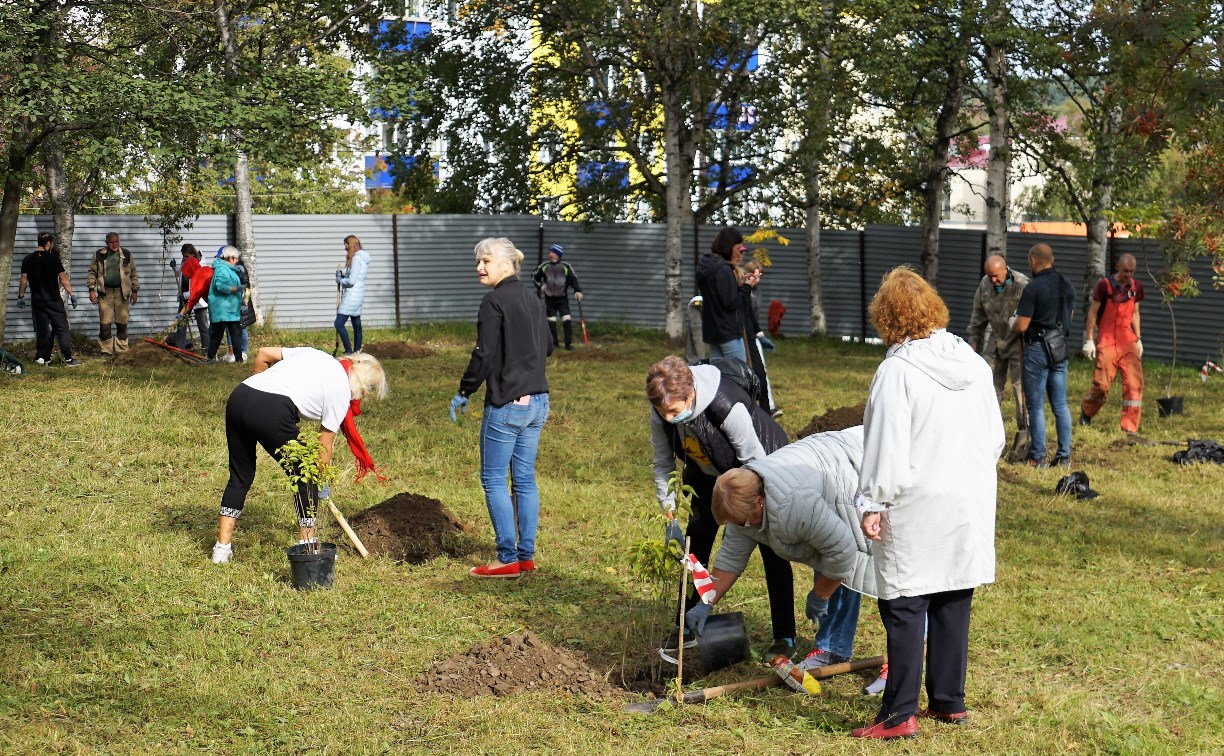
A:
(351, 281)
(225, 304)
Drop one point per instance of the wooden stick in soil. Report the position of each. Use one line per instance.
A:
(680, 629)
(348, 531)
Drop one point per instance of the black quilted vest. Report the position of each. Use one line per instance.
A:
(706, 428)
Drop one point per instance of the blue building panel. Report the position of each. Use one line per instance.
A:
(736, 174)
(609, 173)
(401, 36)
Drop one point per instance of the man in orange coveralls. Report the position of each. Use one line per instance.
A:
(1114, 314)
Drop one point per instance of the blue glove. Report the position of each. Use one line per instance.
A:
(72, 300)
(325, 492)
(766, 343)
(816, 607)
(21, 302)
(460, 403)
(696, 617)
(673, 532)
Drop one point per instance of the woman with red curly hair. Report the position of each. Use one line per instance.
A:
(932, 435)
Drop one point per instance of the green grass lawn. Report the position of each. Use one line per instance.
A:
(1104, 632)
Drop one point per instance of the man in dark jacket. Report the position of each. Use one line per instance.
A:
(720, 295)
(43, 272)
(1045, 305)
(553, 280)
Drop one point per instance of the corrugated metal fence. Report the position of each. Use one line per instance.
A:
(617, 264)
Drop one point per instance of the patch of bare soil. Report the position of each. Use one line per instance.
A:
(141, 353)
(515, 664)
(834, 420)
(396, 350)
(412, 528)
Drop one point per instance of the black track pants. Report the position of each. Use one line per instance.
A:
(270, 420)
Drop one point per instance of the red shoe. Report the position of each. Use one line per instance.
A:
(489, 571)
(526, 565)
(880, 731)
(956, 719)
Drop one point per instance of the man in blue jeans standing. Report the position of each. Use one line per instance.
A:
(1046, 304)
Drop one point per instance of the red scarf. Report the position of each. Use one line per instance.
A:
(365, 463)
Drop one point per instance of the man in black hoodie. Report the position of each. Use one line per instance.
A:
(720, 295)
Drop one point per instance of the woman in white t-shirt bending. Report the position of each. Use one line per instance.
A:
(290, 384)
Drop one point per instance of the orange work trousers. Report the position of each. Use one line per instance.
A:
(1111, 360)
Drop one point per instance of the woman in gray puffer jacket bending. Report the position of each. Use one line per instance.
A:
(799, 502)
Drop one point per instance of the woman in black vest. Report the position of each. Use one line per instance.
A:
(711, 424)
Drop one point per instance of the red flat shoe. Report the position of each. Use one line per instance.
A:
(526, 565)
(880, 731)
(489, 571)
(939, 716)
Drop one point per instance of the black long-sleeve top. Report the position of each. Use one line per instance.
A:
(512, 344)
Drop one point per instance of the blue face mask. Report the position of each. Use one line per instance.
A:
(682, 416)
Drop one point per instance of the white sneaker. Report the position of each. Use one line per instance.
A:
(222, 552)
(41, 361)
(229, 358)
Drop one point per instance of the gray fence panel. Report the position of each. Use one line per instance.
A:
(437, 265)
(619, 267)
(156, 303)
(298, 256)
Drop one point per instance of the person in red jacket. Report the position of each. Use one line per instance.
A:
(201, 282)
(191, 264)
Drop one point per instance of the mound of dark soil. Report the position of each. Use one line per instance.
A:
(834, 420)
(512, 665)
(583, 353)
(396, 350)
(141, 353)
(412, 528)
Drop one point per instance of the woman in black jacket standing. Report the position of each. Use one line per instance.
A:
(512, 343)
(720, 295)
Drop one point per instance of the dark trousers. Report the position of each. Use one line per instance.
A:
(945, 619)
(50, 323)
(179, 337)
(344, 338)
(703, 529)
(218, 331)
(555, 307)
(270, 420)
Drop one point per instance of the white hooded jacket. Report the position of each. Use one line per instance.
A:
(933, 434)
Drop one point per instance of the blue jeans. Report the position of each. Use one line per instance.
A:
(509, 440)
(344, 339)
(1042, 380)
(733, 348)
(837, 629)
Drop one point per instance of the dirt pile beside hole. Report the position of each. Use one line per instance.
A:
(396, 350)
(143, 354)
(515, 664)
(412, 528)
(835, 420)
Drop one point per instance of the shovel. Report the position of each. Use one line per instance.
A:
(348, 531)
(582, 321)
(708, 694)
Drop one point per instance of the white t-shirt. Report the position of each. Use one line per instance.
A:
(314, 380)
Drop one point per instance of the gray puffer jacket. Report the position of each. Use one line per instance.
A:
(809, 511)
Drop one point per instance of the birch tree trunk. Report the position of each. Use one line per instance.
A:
(679, 211)
(998, 167)
(10, 210)
(811, 226)
(63, 204)
(937, 169)
(243, 207)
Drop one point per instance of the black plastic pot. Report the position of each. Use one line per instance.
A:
(1169, 405)
(312, 570)
(723, 643)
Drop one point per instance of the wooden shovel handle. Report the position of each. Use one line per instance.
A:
(361, 549)
(820, 673)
